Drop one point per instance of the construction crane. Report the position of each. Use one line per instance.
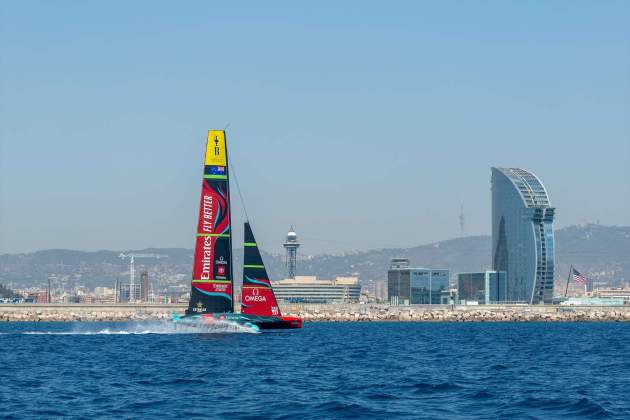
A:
(132, 271)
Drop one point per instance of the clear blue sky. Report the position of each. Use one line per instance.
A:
(365, 124)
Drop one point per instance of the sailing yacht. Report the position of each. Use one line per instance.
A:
(212, 287)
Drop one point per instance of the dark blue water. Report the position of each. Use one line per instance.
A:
(387, 370)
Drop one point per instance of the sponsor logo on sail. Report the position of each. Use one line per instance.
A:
(199, 308)
(206, 259)
(207, 213)
(221, 288)
(215, 150)
(221, 264)
(255, 296)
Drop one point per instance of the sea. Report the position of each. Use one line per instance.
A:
(325, 370)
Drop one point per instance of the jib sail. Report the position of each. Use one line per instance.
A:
(211, 289)
(257, 297)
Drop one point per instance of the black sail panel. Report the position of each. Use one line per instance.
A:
(257, 296)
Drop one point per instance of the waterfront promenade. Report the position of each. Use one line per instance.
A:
(328, 313)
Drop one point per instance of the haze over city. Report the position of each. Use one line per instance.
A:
(363, 128)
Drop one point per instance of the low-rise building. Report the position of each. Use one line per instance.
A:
(613, 293)
(592, 301)
(38, 297)
(482, 288)
(104, 295)
(310, 289)
(380, 291)
(124, 295)
(416, 286)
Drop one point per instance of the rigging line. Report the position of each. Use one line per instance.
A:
(238, 189)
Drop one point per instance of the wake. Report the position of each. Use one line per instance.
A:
(156, 327)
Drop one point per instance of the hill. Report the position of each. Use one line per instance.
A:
(602, 252)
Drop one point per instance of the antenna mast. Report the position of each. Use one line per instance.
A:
(461, 219)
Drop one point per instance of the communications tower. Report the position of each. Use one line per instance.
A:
(461, 219)
(291, 245)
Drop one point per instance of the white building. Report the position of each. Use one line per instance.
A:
(310, 289)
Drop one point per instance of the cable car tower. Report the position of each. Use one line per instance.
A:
(291, 245)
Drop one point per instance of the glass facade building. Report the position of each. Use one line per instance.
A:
(417, 286)
(484, 287)
(522, 235)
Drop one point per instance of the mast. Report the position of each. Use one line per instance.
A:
(229, 216)
(212, 282)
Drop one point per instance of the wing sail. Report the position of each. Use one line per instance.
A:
(212, 287)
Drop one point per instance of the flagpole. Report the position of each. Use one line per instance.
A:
(568, 280)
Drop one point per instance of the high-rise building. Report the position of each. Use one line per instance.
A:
(144, 286)
(522, 235)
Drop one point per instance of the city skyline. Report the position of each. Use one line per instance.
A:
(363, 131)
(188, 186)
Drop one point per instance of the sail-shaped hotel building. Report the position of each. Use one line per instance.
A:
(522, 235)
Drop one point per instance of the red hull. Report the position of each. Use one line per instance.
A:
(285, 322)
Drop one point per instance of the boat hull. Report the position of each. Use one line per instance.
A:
(262, 322)
(281, 323)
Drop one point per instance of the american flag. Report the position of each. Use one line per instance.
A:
(578, 278)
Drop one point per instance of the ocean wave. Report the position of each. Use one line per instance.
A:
(336, 409)
(565, 406)
(482, 395)
(424, 387)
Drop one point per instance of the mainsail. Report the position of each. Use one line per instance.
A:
(211, 290)
(257, 297)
